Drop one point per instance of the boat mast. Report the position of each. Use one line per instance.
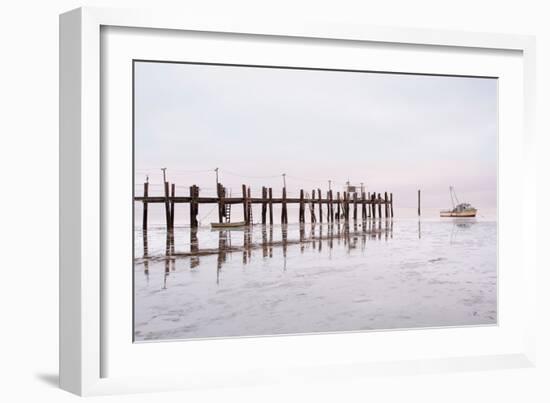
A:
(452, 198)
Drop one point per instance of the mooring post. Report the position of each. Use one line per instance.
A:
(301, 210)
(320, 205)
(354, 206)
(386, 206)
(284, 218)
(167, 204)
(373, 205)
(264, 204)
(145, 195)
(271, 206)
(379, 205)
(418, 202)
(172, 206)
(391, 205)
(245, 205)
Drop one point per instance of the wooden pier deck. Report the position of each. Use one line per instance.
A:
(329, 205)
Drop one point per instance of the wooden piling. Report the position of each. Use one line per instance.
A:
(284, 215)
(249, 206)
(418, 202)
(386, 205)
(363, 207)
(379, 205)
(245, 205)
(145, 213)
(301, 213)
(391, 205)
(172, 205)
(312, 207)
(271, 206)
(193, 206)
(369, 207)
(346, 206)
(167, 204)
(373, 204)
(331, 206)
(220, 191)
(354, 206)
(264, 204)
(320, 205)
(338, 213)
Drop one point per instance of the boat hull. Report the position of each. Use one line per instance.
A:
(462, 214)
(228, 225)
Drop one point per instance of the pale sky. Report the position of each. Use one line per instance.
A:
(395, 133)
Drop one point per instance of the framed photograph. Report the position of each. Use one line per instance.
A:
(250, 202)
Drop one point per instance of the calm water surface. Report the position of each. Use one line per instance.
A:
(301, 279)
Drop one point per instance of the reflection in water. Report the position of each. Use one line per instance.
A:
(316, 239)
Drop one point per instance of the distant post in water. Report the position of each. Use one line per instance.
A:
(391, 205)
(338, 206)
(363, 207)
(379, 205)
(386, 205)
(418, 202)
(373, 204)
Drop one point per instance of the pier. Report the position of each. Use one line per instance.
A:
(318, 205)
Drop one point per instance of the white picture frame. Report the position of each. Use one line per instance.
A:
(84, 304)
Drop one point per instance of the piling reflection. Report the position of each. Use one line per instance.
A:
(315, 237)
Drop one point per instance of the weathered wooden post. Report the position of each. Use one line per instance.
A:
(346, 206)
(284, 217)
(167, 204)
(271, 206)
(172, 206)
(386, 205)
(320, 205)
(145, 195)
(331, 206)
(193, 206)
(338, 213)
(369, 208)
(373, 204)
(379, 205)
(391, 205)
(264, 204)
(354, 206)
(245, 205)
(312, 206)
(418, 202)
(249, 206)
(363, 207)
(301, 214)
(220, 190)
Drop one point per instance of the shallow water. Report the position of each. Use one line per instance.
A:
(301, 279)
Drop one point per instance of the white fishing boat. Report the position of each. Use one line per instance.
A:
(459, 209)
